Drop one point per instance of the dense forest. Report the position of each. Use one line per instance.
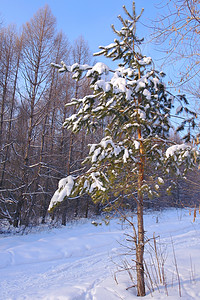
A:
(35, 150)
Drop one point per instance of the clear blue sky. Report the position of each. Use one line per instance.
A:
(89, 18)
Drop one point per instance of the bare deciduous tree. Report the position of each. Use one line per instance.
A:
(38, 35)
(177, 32)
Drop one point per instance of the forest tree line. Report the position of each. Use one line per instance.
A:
(35, 150)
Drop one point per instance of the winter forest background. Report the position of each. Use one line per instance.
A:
(35, 150)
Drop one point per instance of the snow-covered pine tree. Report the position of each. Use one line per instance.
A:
(133, 102)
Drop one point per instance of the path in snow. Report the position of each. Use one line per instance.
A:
(76, 262)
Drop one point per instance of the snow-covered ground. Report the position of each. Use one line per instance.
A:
(79, 261)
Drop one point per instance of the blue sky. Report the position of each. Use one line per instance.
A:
(89, 18)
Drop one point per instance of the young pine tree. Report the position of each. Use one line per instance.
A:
(135, 107)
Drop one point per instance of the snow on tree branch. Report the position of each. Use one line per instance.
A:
(134, 99)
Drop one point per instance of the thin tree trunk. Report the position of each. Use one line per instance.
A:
(44, 201)
(38, 46)
(140, 218)
(140, 254)
(140, 223)
(65, 204)
(3, 103)
(87, 206)
(11, 116)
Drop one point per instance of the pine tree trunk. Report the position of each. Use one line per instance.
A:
(140, 250)
(140, 215)
(140, 222)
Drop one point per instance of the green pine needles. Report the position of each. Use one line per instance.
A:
(135, 154)
(136, 108)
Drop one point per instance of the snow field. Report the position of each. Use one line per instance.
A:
(78, 262)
